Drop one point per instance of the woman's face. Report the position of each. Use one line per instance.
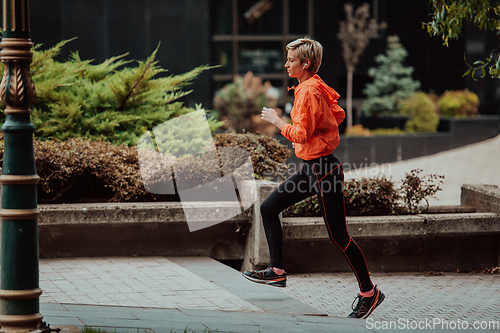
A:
(293, 65)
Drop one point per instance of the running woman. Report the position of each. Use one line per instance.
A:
(314, 135)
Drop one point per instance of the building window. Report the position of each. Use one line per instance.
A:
(251, 35)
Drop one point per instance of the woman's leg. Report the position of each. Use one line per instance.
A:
(329, 177)
(292, 190)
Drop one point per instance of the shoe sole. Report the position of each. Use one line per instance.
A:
(380, 298)
(273, 283)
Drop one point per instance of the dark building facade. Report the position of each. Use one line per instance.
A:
(250, 35)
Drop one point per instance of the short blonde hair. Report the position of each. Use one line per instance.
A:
(308, 49)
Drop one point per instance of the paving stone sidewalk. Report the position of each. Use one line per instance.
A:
(158, 294)
(412, 296)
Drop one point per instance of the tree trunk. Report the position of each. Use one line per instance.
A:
(349, 97)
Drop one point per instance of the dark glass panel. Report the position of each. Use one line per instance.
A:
(221, 17)
(298, 19)
(260, 57)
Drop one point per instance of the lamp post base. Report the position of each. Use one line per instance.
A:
(20, 323)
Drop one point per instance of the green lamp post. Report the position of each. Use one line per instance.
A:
(19, 284)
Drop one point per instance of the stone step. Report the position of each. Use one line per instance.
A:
(313, 228)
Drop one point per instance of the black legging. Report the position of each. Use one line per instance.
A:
(321, 176)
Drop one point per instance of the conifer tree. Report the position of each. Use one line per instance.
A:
(392, 81)
(113, 101)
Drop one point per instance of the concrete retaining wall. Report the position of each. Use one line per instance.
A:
(486, 198)
(447, 241)
(142, 229)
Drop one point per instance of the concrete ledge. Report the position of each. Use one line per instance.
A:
(485, 198)
(313, 228)
(133, 212)
(142, 229)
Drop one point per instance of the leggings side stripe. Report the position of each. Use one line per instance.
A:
(324, 209)
(328, 173)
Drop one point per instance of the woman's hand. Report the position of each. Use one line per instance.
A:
(272, 117)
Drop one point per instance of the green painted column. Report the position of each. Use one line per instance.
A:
(19, 277)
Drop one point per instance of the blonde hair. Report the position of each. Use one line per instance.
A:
(308, 49)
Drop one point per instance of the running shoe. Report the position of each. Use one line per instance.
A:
(267, 276)
(366, 305)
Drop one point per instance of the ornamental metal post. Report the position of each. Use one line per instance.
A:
(19, 284)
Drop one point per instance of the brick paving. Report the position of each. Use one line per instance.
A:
(412, 296)
(201, 293)
(154, 282)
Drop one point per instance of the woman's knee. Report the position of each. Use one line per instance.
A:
(342, 241)
(267, 209)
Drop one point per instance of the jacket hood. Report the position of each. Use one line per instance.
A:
(330, 94)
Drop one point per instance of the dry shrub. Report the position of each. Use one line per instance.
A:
(365, 196)
(77, 170)
(379, 196)
(268, 155)
(268, 158)
(370, 196)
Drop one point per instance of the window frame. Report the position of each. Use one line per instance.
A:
(235, 38)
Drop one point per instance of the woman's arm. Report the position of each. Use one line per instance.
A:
(272, 117)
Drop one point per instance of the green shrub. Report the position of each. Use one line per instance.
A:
(113, 101)
(420, 109)
(460, 103)
(392, 81)
(388, 131)
(357, 130)
(308, 207)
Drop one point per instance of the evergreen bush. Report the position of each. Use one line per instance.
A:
(113, 101)
(392, 81)
(420, 109)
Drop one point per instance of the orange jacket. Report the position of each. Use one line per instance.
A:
(316, 116)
